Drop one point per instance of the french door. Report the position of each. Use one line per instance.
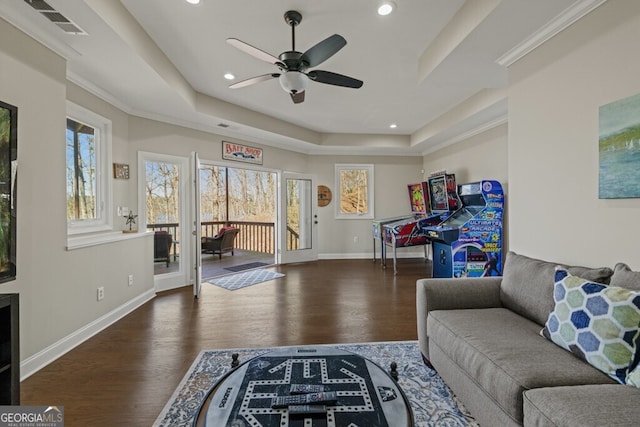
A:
(163, 208)
(298, 218)
(196, 224)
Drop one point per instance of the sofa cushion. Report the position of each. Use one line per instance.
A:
(527, 284)
(505, 354)
(613, 405)
(625, 278)
(597, 323)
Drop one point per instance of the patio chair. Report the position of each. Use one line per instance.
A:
(162, 246)
(220, 244)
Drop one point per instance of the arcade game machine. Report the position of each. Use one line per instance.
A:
(469, 242)
(378, 230)
(431, 203)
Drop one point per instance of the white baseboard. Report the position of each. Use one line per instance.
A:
(41, 359)
(369, 255)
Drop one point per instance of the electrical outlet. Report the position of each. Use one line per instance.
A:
(355, 239)
(100, 293)
(131, 280)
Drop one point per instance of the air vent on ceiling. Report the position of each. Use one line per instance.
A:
(56, 17)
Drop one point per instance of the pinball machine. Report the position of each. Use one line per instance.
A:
(432, 202)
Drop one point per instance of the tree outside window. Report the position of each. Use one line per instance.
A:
(355, 191)
(81, 171)
(88, 157)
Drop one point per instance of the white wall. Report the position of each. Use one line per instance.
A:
(554, 96)
(57, 287)
(392, 174)
(483, 156)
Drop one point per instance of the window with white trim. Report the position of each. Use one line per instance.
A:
(354, 185)
(88, 156)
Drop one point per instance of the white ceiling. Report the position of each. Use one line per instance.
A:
(437, 68)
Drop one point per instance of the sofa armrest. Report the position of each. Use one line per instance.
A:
(453, 294)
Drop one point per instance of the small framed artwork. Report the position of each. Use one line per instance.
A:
(120, 171)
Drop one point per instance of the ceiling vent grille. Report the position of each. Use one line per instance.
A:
(65, 24)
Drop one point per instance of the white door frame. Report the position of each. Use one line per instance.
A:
(196, 224)
(182, 277)
(309, 212)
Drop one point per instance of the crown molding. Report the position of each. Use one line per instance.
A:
(558, 24)
(503, 119)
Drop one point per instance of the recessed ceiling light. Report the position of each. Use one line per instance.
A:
(393, 125)
(386, 8)
(193, 1)
(229, 76)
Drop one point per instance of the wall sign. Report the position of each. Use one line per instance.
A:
(324, 195)
(241, 153)
(120, 171)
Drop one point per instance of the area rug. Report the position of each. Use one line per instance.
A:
(247, 266)
(431, 400)
(247, 278)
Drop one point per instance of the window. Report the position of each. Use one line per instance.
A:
(88, 145)
(354, 184)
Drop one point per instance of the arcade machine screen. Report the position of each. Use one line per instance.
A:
(438, 199)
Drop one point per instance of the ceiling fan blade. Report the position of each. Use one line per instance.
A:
(334, 79)
(323, 50)
(298, 97)
(254, 80)
(253, 51)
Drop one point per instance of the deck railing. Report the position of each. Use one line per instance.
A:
(253, 236)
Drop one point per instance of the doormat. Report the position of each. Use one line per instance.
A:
(248, 266)
(432, 402)
(242, 280)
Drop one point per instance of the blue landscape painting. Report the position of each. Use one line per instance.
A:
(619, 146)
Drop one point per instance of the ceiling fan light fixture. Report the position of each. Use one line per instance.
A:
(293, 81)
(386, 7)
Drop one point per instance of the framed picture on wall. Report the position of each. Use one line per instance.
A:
(619, 149)
(8, 173)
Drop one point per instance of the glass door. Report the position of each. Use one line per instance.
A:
(163, 210)
(196, 229)
(298, 226)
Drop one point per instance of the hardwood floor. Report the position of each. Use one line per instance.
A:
(125, 375)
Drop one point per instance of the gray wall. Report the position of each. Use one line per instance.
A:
(554, 98)
(58, 287)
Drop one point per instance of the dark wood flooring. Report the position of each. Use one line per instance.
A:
(124, 375)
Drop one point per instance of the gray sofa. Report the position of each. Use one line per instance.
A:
(483, 336)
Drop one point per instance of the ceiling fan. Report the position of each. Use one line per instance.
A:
(293, 65)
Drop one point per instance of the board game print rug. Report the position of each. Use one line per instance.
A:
(432, 402)
(244, 279)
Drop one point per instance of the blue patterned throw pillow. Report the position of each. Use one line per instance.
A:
(598, 323)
